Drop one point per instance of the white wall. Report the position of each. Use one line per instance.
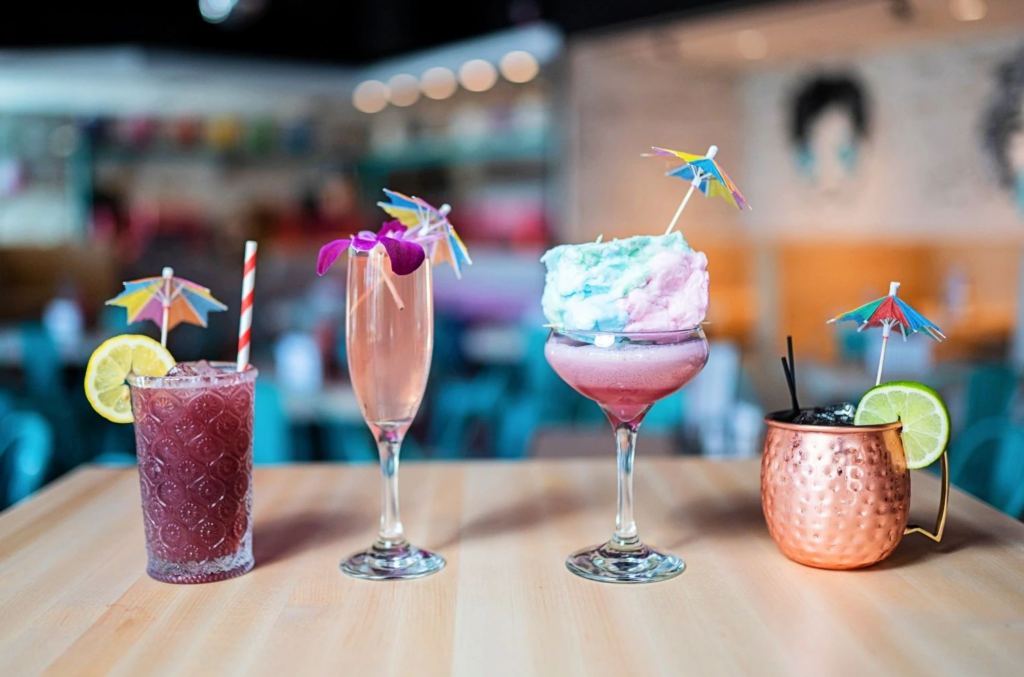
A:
(623, 99)
(925, 175)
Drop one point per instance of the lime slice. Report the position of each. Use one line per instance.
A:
(109, 366)
(923, 413)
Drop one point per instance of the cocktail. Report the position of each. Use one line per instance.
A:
(389, 335)
(193, 430)
(194, 434)
(389, 350)
(626, 373)
(627, 317)
(835, 480)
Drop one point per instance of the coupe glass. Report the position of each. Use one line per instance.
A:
(389, 333)
(626, 373)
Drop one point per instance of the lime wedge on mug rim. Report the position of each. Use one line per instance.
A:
(924, 416)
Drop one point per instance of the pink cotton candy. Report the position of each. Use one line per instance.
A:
(675, 297)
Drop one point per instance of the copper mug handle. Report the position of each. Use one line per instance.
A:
(940, 521)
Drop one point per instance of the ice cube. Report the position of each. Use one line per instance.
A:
(833, 414)
(200, 368)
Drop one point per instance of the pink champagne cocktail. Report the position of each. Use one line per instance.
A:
(389, 336)
(194, 434)
(626, 373)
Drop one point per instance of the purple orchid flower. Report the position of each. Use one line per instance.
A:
(406, 255)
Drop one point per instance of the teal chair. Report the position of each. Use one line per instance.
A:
(351, 442)
(43, 372)
(113, 320)
(560, 403)
(988, 461)
(462, 409)
(990, 390)
(26, 448)
(520, 421)
(272, 442)
(666, 416)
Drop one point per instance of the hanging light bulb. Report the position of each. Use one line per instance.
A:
(519, 66)
(439, 83)
(478, 75)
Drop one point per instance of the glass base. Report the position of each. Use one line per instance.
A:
(210, 571)
(385, 562)
(610, 563)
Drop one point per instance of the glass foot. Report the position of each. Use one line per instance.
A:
(385, 562)
(609, 563)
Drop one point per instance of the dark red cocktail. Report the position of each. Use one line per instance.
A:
(193, 433)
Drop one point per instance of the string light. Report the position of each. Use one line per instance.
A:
(405, 89)
(478, 75)
(519, 66)
(370, 96)
(439, 83)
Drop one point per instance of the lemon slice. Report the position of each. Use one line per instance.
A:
(924, 415)
(109, 366)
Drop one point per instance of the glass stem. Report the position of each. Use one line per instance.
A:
(625, 527)
(391, 533)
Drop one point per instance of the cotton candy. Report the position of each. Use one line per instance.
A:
(642, 283)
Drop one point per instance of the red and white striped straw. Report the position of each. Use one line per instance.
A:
(245, 318)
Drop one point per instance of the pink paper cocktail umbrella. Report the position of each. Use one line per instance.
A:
(705, 175)
(166, 300)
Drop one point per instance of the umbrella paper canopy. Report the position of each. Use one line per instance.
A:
(429, 226)
(888, 312)
(705, 174)
(166, 300)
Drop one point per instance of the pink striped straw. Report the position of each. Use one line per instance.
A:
(245, 317)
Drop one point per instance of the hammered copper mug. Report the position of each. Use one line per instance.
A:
(838, 497)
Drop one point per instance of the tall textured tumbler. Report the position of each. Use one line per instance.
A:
(193, 433)
(389, 333)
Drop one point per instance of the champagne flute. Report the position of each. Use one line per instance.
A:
(389, 334)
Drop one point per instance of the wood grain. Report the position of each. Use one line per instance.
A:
(75, 600)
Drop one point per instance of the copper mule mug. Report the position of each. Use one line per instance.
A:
(838, 497)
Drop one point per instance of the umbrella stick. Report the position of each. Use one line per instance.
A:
(881, 358)
(682, 206)
(391, 288)
(698, 176)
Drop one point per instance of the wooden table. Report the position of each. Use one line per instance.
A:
(74, 598)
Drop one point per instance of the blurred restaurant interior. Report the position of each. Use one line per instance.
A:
(876, 140)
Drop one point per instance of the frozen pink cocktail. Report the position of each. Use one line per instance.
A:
(626, 317)
(194, 434)
(627, 379)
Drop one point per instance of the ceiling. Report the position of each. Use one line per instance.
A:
(768, 36)
(332, 31)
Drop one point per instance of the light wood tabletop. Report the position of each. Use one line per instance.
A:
(75, 599)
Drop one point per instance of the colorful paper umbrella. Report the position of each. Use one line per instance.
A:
(429, 226)
(888, 312)
(704, 174)
(166, 300)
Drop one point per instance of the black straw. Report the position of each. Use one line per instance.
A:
(791, 384)
(792, 362)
